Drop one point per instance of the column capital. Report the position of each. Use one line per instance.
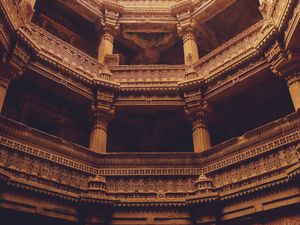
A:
(199, 117)
(102, 110)
(188, 34)
(194, 101)
(101, 119)
(184, 18)
(110, 21)
(109, 36)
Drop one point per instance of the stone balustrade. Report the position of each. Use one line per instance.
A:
(49, 46)
(271, 133)
(266, 152)
(145, 76)
(231, 53)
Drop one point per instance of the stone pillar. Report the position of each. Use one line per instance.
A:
(293, 83)
(106, 46)
(98, 137)
(197, 111)
(102, 113)
(201, 137)
(190, 48)
(4, 82)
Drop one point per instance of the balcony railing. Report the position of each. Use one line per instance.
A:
(260, 156)
(256, 138)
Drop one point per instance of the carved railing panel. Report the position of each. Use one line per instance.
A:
(53, 49)
(32, 138)
(233, 52)
(260, 156)
(147, 75)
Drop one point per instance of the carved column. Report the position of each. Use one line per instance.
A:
(109, 27)
(293, 83)
(98, 136)
(197, 112)
(201, 137)
(185, 29)
(4, 83)
(190, 48)
(102, 113)
(106, 46)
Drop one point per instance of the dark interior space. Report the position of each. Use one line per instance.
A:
(162, 131)
(125, 54)
(221, 29)
(67, 25)
(9, 217)
(251, 108)
(50, 113)
(173, 55)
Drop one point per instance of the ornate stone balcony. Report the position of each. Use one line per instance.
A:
(147, 76)
(51, 48)
(242, 50)
(270, 154)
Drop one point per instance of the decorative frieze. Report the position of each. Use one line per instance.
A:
(38, 169)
